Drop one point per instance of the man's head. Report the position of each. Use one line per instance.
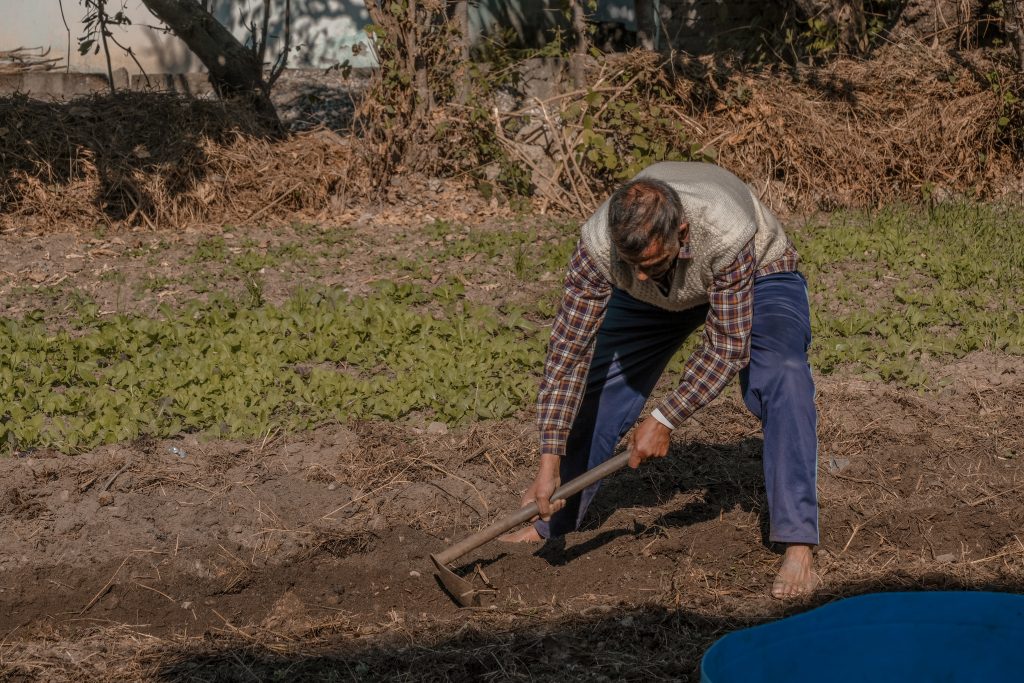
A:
(647, 224)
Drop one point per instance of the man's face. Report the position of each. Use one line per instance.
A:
(660, 257)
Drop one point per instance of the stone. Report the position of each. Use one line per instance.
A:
(837, 465)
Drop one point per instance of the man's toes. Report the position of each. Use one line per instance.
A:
(785, 588)
(784, 591)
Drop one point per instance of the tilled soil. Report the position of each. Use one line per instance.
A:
(306, 556)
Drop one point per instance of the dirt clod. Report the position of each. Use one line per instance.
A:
(437, 428)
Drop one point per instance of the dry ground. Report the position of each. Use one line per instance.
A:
(304, 556)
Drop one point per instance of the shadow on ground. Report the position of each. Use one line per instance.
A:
(644, 643)
(726, 476)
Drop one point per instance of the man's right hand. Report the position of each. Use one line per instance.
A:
(543, 486)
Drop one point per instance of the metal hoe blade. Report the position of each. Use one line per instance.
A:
(462, 591)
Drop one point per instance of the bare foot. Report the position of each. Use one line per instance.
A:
(527, 534)
(796, 576)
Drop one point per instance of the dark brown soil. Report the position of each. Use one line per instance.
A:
(306, 557)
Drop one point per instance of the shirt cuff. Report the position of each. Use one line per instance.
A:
(660, 417)
(553, 442)
(675, 409)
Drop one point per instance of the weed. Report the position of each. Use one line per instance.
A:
(210, 249)
(890, 289)
(949, 278)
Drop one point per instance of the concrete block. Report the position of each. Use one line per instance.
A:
(194, 83)
(42, 85)
(49, 85)
(120, 78)
(10, 84)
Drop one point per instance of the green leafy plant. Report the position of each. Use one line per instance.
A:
(620, 126)
(906, 283)
(242, 367)
(889, 290)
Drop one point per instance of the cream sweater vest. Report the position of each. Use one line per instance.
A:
(723, 214)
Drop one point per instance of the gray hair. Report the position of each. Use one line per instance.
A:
(642, 212)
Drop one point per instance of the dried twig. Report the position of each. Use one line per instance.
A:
(106, 586)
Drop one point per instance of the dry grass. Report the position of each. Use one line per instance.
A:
(160, 161)
(907, 124)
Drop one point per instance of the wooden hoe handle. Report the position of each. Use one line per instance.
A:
(530, 511)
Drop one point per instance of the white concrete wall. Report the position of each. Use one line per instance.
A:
(325, 30)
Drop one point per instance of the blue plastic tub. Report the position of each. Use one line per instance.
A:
(881, 638)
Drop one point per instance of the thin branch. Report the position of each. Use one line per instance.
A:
(131, 53)
(67, 68)
(282, 58)
(264, 37)
(102, 18)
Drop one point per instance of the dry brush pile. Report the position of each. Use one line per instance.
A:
(908, 124)
(158, 160)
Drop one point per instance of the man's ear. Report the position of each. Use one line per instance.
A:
(684, 228)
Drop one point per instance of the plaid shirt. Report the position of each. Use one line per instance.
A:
(723, 351)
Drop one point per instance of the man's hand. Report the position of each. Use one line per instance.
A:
(543, 486)
(650, 440)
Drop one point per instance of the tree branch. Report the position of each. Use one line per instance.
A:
(264, 37)
(282, 59)
(102, 19)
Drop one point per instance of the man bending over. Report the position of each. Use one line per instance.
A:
(681, 244)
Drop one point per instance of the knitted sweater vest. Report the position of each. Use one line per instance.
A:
(724, 215)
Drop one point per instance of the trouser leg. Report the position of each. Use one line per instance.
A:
(634, 344)
(778, 388)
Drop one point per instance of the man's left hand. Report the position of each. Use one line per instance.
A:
(650, 440)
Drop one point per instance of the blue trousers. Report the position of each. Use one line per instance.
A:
(634, 345)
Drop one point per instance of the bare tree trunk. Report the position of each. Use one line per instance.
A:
(646, 26)
(418, 65)
(1013, 20)
(234, 69)
(579, 30)
(460, 15)
(462, 22)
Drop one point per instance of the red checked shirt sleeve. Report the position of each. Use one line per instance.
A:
(570, 350)
(725, 347)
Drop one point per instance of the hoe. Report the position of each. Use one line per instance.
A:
(461, 590)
